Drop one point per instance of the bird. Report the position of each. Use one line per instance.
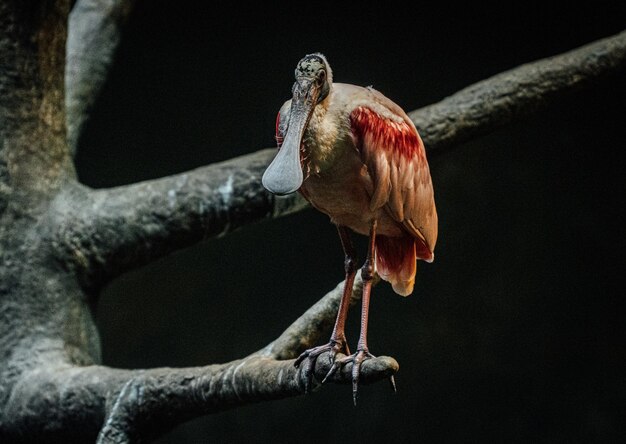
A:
(356, 156)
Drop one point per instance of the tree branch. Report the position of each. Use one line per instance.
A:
(503, 98)
(105, 233)
(94, 34)
(154, 401)
(139, 405)
(118, 229)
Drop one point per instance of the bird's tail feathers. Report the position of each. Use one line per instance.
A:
(396, 262)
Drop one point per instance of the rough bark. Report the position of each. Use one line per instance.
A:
(498, 100)
(61, 241)
(160, 216)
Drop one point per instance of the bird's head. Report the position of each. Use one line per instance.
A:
(313, 84)
(313, 77)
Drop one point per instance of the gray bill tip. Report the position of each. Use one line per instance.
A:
(280, 180)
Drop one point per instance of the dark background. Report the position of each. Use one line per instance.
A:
(515, 333)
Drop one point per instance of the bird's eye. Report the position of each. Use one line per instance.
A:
(321, 77)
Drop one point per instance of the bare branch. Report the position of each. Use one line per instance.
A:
(115, 230)
(122, 228)
(154, 401)
(498, 100)
(94, 34)
(139, 405)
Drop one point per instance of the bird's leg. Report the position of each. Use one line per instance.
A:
(338, 337)
(337, 343)
(362, 352)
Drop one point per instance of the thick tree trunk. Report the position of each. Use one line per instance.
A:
(60, 242)
(44, 319)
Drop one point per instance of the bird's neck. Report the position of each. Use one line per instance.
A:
(323, 139)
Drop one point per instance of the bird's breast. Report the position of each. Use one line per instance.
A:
(342, 188)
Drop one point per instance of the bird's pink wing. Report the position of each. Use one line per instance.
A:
(282, 121)
(279, 133)
(396, 161)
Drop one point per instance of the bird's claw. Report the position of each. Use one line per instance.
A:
(356, 360)
(392, 382)
(309, 357)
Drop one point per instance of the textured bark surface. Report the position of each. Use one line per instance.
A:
(60, 241)
(496, 101)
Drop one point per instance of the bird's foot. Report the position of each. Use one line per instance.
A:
(309, 357)
(356, 359)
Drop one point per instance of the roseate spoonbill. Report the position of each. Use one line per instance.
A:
(356, 156)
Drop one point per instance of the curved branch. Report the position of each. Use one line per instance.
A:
(94, 34)
(123, 228)
(154, 401)
(105, 233)
(498, 100)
